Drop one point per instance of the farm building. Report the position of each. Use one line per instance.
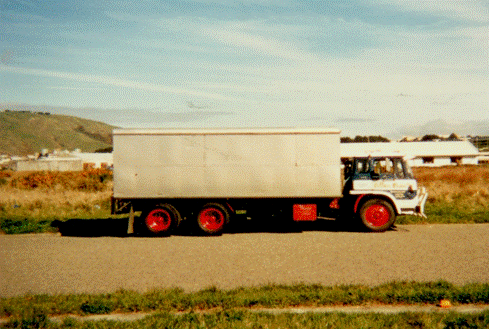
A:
(65, 161)
(442, 153)
(95, 160)
(48, 164)
(484, 157)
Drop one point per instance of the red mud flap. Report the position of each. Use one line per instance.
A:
(305, 212)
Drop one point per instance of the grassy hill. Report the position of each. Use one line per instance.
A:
(26, 132)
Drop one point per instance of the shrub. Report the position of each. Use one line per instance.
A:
(99, 306)
(88, 180)
(5, 174)
(32, 318)
(11, 226)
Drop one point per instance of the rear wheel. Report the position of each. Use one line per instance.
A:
(377, 215)
(161, 220)
(212, 218)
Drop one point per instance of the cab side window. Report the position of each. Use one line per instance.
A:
(384, 168)
(362, 166)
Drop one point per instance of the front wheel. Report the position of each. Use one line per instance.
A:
(212, 218)
(377, 215)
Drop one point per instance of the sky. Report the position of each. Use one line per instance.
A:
(364, 66)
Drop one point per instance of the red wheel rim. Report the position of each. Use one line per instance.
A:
(211, 219)
(158, 220)
(377, 215)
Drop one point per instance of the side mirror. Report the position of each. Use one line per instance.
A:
(348, 170)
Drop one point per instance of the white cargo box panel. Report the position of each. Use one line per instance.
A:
(226, 163)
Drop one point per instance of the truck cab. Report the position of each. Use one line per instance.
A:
(378, 188)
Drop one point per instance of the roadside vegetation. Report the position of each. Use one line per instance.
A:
(240, 308)
(457, 194)
(32, 201)
(233, 319)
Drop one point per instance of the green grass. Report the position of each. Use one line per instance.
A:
(239, 308)
(12, 226)
(246, 319)
(449, 213)
(270, 296)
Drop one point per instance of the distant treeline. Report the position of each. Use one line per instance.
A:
(365, 139)
(26, 111)
(481, 142)
(433, 137)
(382, 139)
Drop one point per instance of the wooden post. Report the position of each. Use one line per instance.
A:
(130, 225)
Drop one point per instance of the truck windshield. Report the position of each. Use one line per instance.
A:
(407, 169)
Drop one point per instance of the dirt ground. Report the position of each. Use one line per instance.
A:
(49, 263)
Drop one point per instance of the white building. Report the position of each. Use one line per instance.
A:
(48, 164)
(96, 160)
(62, 161)
(442, 153)
(484, 157)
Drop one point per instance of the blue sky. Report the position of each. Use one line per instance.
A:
(364, 66)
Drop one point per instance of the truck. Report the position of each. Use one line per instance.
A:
(208, 178)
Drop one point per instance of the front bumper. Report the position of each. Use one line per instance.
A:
(423, 196)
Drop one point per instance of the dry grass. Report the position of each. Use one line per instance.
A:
(52, 204)
(48, 196)
(469, 184)
(457, 194)
(91, 180)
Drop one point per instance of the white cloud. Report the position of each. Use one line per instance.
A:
(260, 45)
(248, 37)
(115, 82)
(460, 51)
(470, 10)
(231, 3)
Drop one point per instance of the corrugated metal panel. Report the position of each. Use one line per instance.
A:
(245, 163)
(412, 149)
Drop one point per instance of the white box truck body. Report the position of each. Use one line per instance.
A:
(227, 163)
(173, 175)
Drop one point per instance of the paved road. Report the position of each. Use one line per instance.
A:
(48, 263)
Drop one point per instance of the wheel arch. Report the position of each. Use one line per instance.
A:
(362, 198)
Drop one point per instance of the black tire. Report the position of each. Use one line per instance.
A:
(160, 220)
(212, 218)
(377, 215)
